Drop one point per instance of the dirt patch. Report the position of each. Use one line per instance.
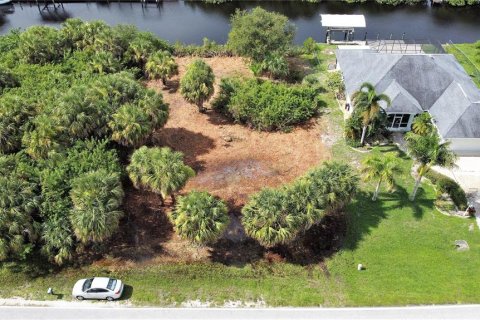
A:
(233, 161)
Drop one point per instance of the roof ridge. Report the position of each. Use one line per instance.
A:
(463, 112)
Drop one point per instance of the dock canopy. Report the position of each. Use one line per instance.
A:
(343, 21)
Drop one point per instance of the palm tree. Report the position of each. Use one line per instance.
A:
(130, 125)
(159, 170)
(367, 102)
(266, 218)
(97, 197)
(423, 125)
(428, 151)
(139, 50)
(275, 65)
(42, 140)
(381, 167)
(200, 217)
(196, 85)
(161, 65)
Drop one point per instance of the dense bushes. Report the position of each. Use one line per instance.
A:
(257, 33)
(266, 105)
(278, 216)
(446, 185)
(68, 98)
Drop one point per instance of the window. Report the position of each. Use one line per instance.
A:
(397, 120)
(111, 284)
(87, 284)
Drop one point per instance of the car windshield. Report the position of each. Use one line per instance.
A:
(87, 284)
(111, 284)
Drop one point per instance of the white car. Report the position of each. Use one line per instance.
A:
(98, 288)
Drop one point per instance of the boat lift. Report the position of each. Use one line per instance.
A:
(345, 23)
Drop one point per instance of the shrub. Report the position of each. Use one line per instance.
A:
(278, 216)
(335, 83)
(275, 66)
(266, 105)
(40, 44)
(208, 49)
(199, 217)
(309, 45)
(7, 80)
(196, 85)
(259, 32)
(446, 185)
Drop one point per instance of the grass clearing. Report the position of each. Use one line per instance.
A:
(468, 55)
(407, 248)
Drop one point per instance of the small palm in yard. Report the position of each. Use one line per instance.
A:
(200, 218)
(381, 168)
(428, 151)
(196, 85)
(422, 124)
(161, 65)
(159, 170)
(367, 101)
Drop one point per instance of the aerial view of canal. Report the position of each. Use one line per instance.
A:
(191, 21)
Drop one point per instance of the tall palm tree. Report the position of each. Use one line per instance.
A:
(200, 217)
(161, 65)
(422, 124)
(367, 102)
(428, 151)
(159, 170)
(196, 85)
(97, 197)
(381, 167)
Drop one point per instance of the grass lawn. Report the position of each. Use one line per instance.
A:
(468, 54)
(407, 248)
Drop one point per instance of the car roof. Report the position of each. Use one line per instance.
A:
(100, 282)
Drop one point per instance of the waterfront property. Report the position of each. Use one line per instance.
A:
(418, 83)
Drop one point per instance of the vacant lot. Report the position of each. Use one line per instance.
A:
(233, 161)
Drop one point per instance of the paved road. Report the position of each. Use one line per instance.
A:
(80, 313)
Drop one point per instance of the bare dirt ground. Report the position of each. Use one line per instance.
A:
(231, 161)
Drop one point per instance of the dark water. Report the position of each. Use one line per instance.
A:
(190, 22)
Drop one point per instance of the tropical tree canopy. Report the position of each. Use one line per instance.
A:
(161, 65)
(428, 151)
(422, 124)
(200, 217)
(97, 197)
(159, 170)
(278, 216)
(366, 102)
(381, 167)
(258, 33)
(196, 86)
(19, 200)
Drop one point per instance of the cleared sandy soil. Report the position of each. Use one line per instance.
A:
(231, 161)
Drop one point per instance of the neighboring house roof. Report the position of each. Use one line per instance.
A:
(416, 83)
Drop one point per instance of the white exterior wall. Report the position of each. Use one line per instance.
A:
(469, 147)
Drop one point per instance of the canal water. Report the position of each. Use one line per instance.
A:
(190, 22)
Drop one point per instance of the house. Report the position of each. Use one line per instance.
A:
(418, 83)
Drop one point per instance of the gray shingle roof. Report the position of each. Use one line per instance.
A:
(418, 82)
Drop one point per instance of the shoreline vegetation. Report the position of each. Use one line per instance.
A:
(455, 3)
